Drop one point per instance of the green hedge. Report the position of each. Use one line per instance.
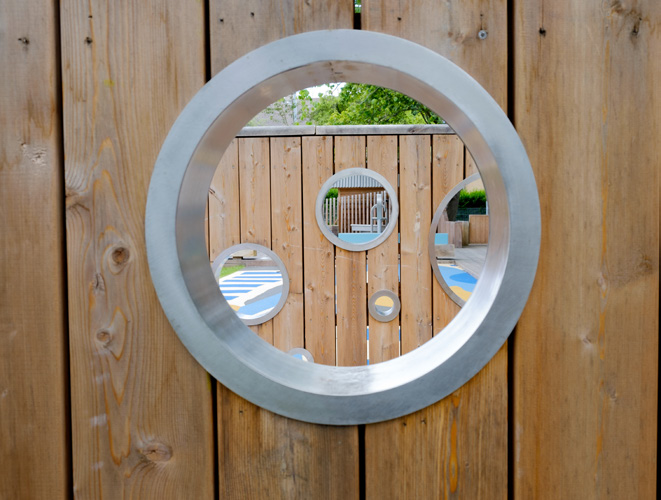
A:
(472, 199)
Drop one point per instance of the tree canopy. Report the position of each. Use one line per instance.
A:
(362, 104)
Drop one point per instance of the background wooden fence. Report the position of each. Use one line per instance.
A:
(97, 395)
(264, 191)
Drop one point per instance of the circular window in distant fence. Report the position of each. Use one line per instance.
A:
(204, 320)
(363, 211)
(253, 281)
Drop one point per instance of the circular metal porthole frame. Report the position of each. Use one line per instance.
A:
(344, 174)
(394, 311)
(432, 231)
(225, 254)
(208, 327)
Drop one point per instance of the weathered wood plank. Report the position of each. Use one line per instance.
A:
(255, 206)
(141, 405)
(287, 237)
(383, 261)
(239, 26)
(302, 460)
(450, 28)
(351, 273)
(447, 172)
(438, 446)
(479, 229)
(34, 420)
(415, 217)
(318, 255)
(224, 203)
(263, 455)
(588, 108)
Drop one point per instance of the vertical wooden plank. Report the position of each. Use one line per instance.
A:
(479, 229)
(471, 168)
(33, 345)
(318, 255)
(224, 211)
(259, 451)
(383, 261)
(451, 28)
(141, 405)
(255, 206)
(471, 468)
(588, 108)
(447, 172)
(415, 221)
(239, 26)
(264, 455)
(287, 237)
(350, 268)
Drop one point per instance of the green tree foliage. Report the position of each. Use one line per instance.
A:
(361, 104)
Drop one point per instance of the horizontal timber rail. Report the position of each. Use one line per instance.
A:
(299, 130)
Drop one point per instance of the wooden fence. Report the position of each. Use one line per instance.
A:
(98, 398)
(264, 191)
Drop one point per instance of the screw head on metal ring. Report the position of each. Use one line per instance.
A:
(216, 336)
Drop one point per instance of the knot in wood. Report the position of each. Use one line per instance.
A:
(104, 336)
(156, 452)
(120, 255)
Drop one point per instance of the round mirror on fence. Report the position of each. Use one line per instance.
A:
(206, 321)
(357, 209)
(458, 238)
(253, 281)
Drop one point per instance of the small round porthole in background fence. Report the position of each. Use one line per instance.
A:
(208, 326)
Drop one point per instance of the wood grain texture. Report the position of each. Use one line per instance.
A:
(287, 237)
(350, 268)
(447, 172)
(141, 405)
(239, 26)
(383, 261)
(588, 108)
(319, 254)
(255, 206)
(442, 451)
(263, 455)
(478, 229)
(33, 338)
(224, 212)
(415, 221)
(451, 29)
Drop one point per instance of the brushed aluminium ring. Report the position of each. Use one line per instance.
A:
(344, 174)
(204, 321)
(217, 266)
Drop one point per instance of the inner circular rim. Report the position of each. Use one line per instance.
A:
(343, 174)
(207, 325)
(431, 241)
(219, 261)
(392, 312)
